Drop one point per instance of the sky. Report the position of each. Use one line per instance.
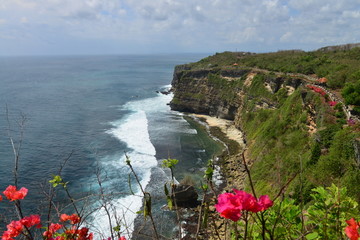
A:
(63, 27)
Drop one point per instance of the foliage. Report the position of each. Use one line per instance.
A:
(330, 209)
(339, 67)
(351, 94)
(226, 88)
(324, 218)
(281, 138)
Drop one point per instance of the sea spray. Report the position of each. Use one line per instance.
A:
(133, 131)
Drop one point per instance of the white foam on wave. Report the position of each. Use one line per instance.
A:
(150, 105)
(124, 208)
(190, 131)
(132, 130)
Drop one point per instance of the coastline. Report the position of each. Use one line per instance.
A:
(228, 174)
(226, 126)
(228, 168)
(230, 162)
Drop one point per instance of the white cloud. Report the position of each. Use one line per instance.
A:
(351, 14)
(286, 37)
(178, 23)
(24, 20)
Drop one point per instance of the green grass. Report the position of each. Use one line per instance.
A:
(283, 145)
(340, 67)
(226, 89)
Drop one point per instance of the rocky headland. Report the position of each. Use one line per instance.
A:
(289, 114)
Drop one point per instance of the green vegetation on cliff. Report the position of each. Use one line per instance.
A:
(282, 146)
(294, 134)
(340, 67)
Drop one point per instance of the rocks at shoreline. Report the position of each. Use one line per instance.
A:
(164, 92)
(185, 196)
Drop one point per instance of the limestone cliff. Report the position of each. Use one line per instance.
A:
(220, 92)
(288, 126)
(207, 91)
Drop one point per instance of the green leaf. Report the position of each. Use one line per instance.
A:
(170, 203)
(206, 216)
(204, 187)
(166, 190)
(127, 160)
(56, 180)
(147, 204)
(169, 163)
(312, 236)
(209, 173)
(117, 228)
(129, 182)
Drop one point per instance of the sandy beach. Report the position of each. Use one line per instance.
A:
(226, 126)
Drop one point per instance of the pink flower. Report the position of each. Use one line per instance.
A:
(122, 238)
(265, 202)
(352, 229)
(351, 122)
(247, 200)
(12, 194)
(229, 206)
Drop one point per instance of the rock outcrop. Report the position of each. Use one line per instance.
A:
(220, 92)
(185, 196)
(206, 91)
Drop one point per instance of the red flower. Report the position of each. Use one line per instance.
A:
(352, 229)
(58, 238)
(332, 103)
(14, 228)
(79, 234)
(0, 198)
(52, 229)
(317, 89)
(30, 221)
(84, 234)
(122, 238)
(12, 194)
(74, 218)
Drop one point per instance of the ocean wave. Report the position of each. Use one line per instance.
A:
(149, 105)
(133, 131)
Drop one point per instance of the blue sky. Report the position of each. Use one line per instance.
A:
(52, 27)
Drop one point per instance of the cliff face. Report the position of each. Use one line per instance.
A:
(284, 122)
(220, 92)
(212, 92)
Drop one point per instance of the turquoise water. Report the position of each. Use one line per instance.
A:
(95, 109)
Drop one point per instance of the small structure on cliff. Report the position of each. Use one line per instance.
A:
(322, 81)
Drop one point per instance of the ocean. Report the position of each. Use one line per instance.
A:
(93, 110)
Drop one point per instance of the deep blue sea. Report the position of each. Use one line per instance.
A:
(95, 108)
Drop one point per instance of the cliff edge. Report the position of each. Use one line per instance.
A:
(291, 122)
